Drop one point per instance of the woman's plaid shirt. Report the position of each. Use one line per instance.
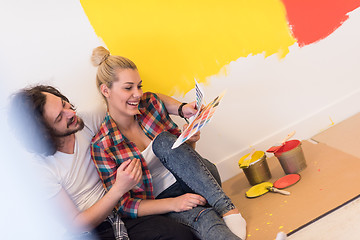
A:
(109, 148)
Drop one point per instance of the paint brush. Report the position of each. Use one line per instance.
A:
(247, 160)
(275, 190)
(279, 145)
(262, 188)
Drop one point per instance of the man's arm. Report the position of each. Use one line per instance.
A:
(128, 174)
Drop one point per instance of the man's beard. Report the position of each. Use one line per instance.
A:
(80, 126)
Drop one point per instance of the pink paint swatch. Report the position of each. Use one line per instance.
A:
(313, 20)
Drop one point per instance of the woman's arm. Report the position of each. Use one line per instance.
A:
(172, 105)
(188, 110)
(178, 204)
(128, 175)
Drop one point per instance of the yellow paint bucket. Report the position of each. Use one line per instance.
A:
(258, 170)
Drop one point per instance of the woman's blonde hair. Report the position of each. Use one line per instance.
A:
(107, 65)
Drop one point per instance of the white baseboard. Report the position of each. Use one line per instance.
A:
(305, 128)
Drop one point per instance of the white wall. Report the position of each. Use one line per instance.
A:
(51, 42)
(266, 98)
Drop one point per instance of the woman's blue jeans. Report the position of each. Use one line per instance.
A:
(195, 174)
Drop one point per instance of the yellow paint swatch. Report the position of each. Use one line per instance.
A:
(174, 42)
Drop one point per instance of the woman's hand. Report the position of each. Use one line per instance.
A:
(128, 174)
(165, 205)
(189, 109)
(187, 201)
(194, 138)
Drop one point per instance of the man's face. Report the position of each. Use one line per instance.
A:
(60, 116)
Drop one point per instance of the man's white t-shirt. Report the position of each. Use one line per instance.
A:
(75, 173)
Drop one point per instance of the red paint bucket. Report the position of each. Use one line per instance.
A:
(291, 157)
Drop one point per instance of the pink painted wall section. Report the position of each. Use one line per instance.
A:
(313, 20)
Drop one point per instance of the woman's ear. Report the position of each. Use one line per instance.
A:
(104, 90)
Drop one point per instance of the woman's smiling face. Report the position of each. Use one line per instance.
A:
(124, 95)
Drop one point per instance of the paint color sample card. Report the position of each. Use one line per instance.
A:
(201, 118)
(199, 94)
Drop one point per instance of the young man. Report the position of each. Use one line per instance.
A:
(48, 125)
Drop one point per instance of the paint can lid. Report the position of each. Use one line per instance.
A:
(287, 181)
(289, 145)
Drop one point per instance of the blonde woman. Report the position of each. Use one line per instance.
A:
(177, 183)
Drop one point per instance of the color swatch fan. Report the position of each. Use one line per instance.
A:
(201, 118)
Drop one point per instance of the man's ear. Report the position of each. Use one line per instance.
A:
(104, 90)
